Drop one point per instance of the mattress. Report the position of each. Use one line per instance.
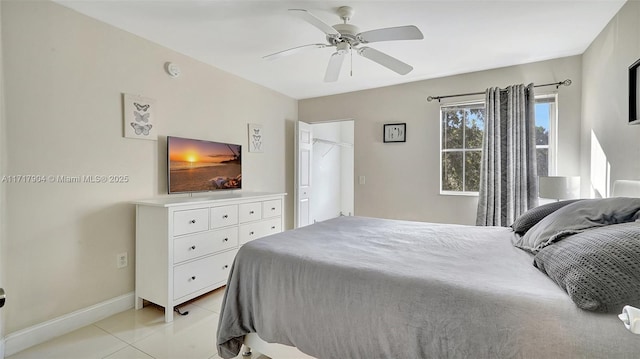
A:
(356, 287)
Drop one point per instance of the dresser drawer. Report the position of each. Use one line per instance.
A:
(250, 231)
(197, 245)
(190, 221)
(250, 211)
(224, 216)
(194, 276)
(272, 226)
(271, 208)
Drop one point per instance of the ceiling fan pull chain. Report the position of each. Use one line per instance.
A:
(351, 70)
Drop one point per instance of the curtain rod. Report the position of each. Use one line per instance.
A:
(566, 82)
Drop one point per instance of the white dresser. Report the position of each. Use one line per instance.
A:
(185, 246)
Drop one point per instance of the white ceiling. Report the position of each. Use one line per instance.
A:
(460, 36)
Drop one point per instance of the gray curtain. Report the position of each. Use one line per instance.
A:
(508, 178)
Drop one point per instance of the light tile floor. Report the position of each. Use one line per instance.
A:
(142, 334)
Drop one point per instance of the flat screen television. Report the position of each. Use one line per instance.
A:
(634, 93)
(200, 166)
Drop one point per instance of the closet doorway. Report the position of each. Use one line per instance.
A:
(324, 171)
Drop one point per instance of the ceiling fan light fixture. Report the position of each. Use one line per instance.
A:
(342, 48)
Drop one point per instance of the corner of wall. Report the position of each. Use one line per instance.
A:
(3, 161)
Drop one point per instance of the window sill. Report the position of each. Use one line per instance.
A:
(457, 193)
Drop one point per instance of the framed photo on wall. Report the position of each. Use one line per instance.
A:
(395, 132)
(634, 94)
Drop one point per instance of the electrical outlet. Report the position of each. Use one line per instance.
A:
(122, 260)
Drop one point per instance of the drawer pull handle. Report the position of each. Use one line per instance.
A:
(225, 266)
(193, 278)
(225, 240)
(273, 208)
(193, 247)
(225, 216)
(193, 221)
(251, 212)
(273, 227)
(251, 233)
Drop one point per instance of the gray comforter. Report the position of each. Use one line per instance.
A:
(355, 287)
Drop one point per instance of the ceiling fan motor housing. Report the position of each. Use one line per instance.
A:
(347, 32)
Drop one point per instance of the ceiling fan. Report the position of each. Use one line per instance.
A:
(346, 38)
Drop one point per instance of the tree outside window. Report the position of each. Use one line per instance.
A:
(462, 131)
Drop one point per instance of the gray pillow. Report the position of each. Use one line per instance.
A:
(577, 217)
(531, 217)
(599, 268)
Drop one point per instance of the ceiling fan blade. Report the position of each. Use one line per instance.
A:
(409, 32)
(313, 20)
(335, 64)
(385, 60)
(293, 50)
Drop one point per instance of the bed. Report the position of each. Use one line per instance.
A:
(355, 287)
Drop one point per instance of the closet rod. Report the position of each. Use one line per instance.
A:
(343, 144)
(566, 82)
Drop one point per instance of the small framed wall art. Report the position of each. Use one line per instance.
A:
(634, 93)
(395, 132)
(255, 138)
(139, 117)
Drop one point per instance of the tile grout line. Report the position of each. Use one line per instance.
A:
(142, 351)
(127, 344)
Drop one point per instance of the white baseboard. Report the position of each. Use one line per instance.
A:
(40, 333)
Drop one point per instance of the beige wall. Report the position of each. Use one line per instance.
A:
(605, 103)
(64, 76)
(402, 179)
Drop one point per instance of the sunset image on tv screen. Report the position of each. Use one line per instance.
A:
(197, 165)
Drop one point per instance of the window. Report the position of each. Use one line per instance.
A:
(545, 135)
(462, 128)
(461, 143)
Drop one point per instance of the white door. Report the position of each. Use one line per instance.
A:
(303, 154)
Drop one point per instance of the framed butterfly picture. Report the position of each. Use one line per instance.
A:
(139, 117)
(255, 138)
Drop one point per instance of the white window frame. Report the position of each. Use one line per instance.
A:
(552, 146)
(455, 193)
(553, 133)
